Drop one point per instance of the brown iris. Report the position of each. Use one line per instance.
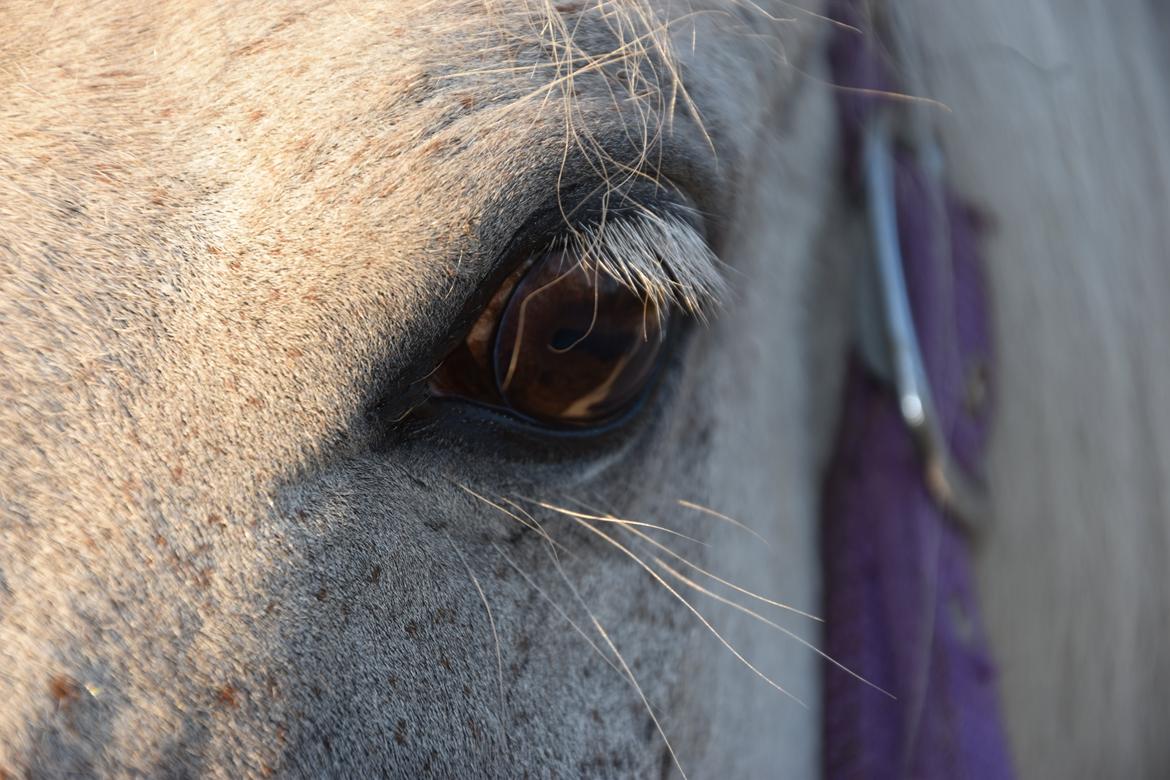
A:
(561, 342)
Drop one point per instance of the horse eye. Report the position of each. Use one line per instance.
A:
(561, 342)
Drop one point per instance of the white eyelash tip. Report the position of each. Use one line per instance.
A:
(663, 259)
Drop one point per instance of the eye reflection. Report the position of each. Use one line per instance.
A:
(561, 342)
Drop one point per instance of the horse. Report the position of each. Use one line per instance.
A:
(281, 491)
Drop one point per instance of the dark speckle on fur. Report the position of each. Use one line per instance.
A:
(64, 690)
(400, 732)
(227, 696)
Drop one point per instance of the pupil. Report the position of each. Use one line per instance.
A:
(565, 338)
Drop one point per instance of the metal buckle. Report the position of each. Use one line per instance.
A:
(964, 500)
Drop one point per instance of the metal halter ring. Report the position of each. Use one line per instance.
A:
(963, 498)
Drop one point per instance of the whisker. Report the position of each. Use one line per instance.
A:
(708, 511)
(884, 94)
(521, 510)
(706, 573)
(721, 581)
(556, 561)
(495, 635)
(634, 682)
(532, 526)
(690, 607)
(685, 580)
(553, 545)
(597, 624)
(800, 10)
(532, 584)
(615, 520)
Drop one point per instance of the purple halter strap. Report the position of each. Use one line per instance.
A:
(900, 602)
